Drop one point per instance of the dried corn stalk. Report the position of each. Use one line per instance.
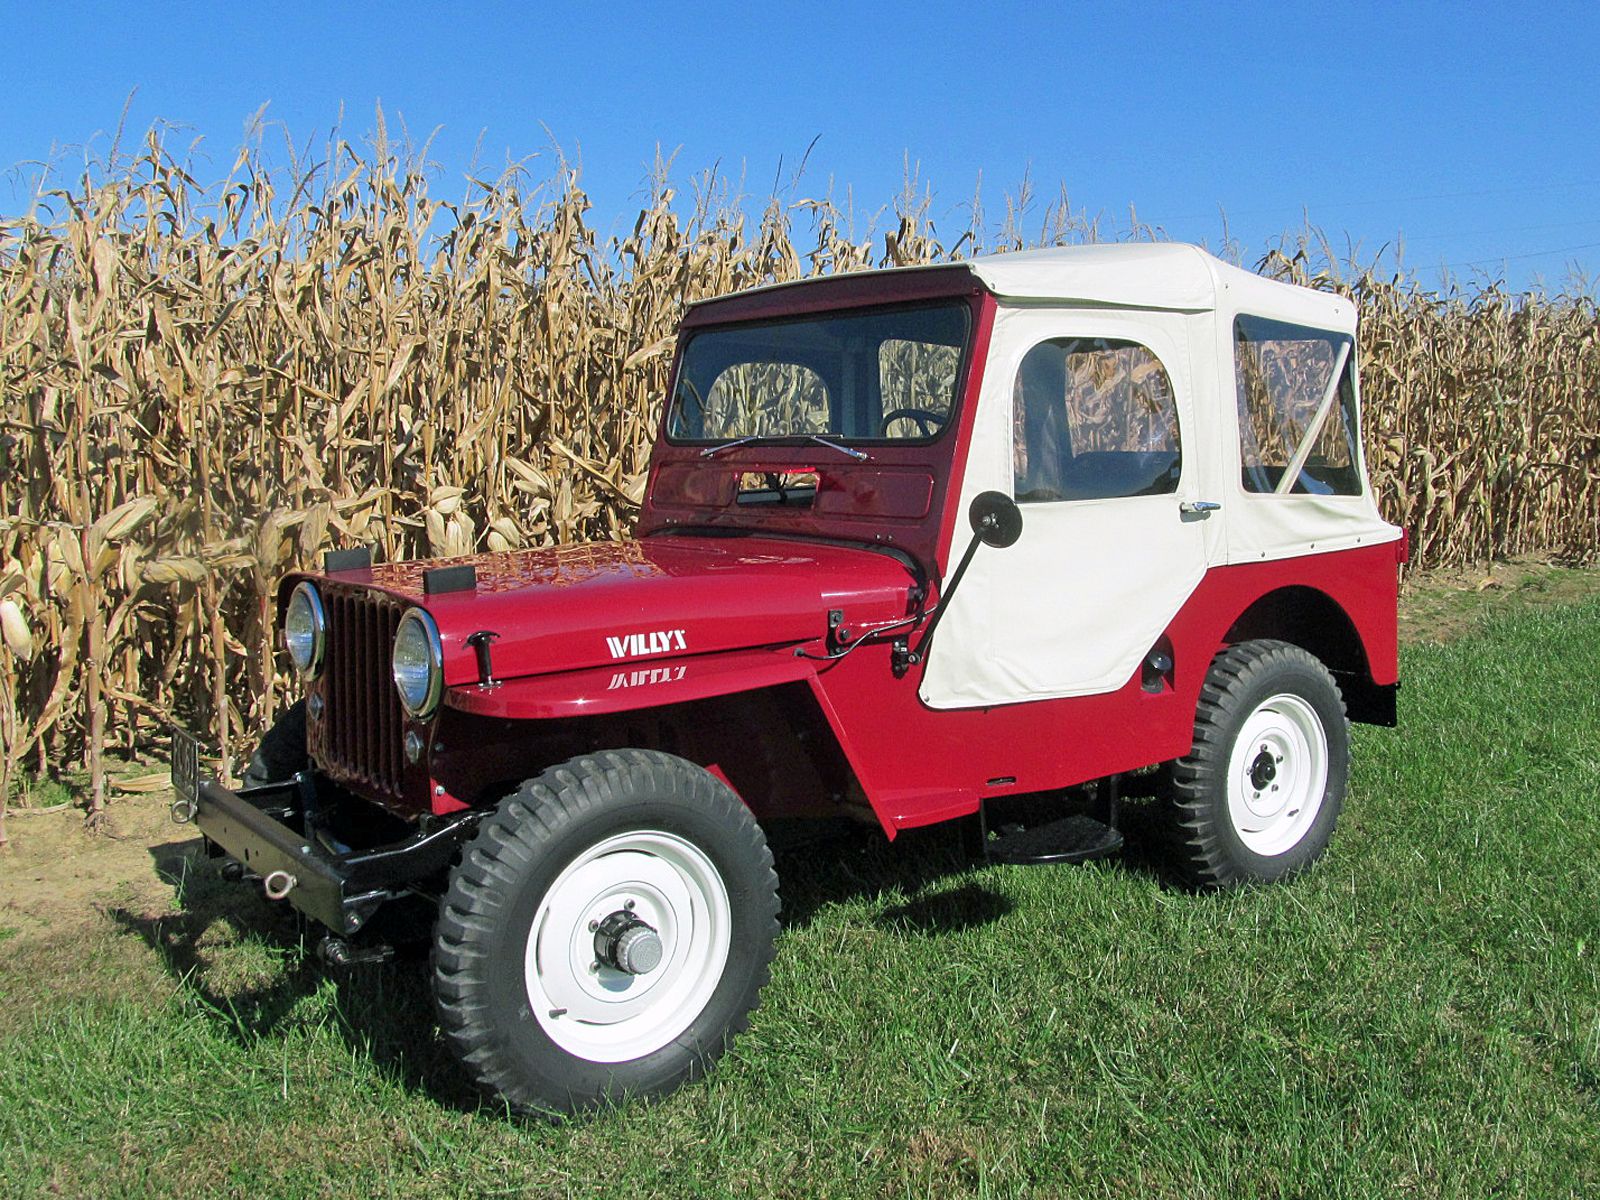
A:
(206, 386)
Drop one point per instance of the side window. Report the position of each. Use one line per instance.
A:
(1093, 419)
(761, 398)
(1287, 413)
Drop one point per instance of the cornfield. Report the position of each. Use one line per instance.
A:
(204, 386)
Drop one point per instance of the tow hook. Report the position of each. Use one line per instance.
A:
(278, 885)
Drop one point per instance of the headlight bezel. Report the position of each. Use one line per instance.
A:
(433, 648)
(307, 592)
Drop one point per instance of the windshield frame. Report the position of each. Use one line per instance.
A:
(963, 301)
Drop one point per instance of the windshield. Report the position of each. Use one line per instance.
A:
(866, 376)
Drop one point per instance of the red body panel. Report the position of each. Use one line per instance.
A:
(613, 604)
(919, 765)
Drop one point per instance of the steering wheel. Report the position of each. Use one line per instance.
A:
(928, 421)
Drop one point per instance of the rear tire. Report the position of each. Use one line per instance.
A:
(544, 1009)
(1257, 797)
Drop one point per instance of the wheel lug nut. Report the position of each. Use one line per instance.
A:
(594, 967)
(593, 925)
(628, 904)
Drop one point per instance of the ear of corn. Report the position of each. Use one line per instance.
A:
(207, 387)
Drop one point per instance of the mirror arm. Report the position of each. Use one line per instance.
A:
(996, 521)
(920, 654)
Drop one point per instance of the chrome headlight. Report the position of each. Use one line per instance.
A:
(305, 630)
(418, 663)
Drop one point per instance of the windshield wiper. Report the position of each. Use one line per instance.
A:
(858, 455)
(709, 451)
(721, 446)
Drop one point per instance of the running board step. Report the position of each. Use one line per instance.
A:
(1073, 839)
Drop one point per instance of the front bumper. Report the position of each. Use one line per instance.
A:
(265, 830)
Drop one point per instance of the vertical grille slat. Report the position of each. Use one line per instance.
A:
(347, 710)
(361, 747)
(338, 678)
(391, 701)
(373, 726)
(361, 736)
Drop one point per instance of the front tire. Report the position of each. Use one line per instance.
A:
(606, 934)
(1258, 795)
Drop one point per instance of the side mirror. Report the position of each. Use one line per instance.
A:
(996, 519)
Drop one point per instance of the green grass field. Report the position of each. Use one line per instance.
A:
(1419, 1016)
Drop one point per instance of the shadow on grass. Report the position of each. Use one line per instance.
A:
(965, 907)
(384, 1011)
(250, 966)
(842, 862)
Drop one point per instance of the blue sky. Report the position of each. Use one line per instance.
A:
(1474, 131)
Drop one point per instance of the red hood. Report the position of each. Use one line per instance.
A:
(571, 607)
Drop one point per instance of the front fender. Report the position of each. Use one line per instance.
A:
(625, 687)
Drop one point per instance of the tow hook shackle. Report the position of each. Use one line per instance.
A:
(278, 885)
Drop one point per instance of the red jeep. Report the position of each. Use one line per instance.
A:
(914, 541)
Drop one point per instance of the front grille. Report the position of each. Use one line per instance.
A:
(358, 739)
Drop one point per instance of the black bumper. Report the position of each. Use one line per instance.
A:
(317, 885)
(265, 830)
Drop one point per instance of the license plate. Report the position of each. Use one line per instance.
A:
(185, 767)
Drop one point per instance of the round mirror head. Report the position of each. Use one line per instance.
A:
(996, 519)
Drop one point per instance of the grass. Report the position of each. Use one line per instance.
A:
(1418, 1016)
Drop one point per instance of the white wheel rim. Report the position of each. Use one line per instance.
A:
(605, 1014)
(1277, 775)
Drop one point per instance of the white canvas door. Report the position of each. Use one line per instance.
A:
(1087, 419)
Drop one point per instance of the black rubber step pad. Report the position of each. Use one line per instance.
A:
(1073, 839)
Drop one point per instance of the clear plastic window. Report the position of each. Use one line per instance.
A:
(1093, 419)
(1283, 374)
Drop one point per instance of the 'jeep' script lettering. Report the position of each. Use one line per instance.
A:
(653, 641)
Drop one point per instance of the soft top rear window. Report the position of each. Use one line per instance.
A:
(873, 375)
(1298, 432)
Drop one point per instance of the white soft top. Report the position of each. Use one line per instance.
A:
(1164, 276)
(1161, 275)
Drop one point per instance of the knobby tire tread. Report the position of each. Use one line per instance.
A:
(1195, 833)
(528, 819)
